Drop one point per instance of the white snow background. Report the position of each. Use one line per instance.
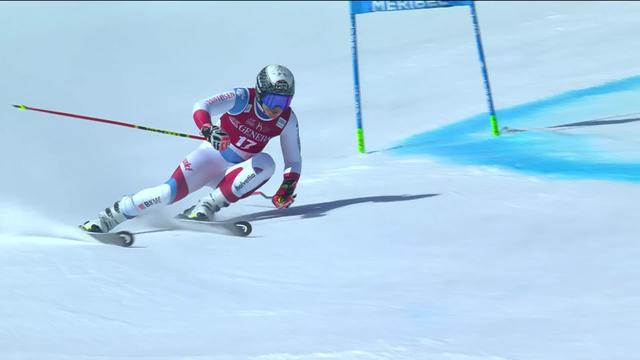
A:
(385, 255)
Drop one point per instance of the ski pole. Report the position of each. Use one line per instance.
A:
(267, 196)
(107, 121)
(261, 194)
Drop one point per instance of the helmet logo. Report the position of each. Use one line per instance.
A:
(281, 85)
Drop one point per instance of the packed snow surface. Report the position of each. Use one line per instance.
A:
(442, 242)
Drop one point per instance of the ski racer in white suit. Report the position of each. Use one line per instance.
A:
(231, 161)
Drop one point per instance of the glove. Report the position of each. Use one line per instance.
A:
(284, 196)
(216, 136)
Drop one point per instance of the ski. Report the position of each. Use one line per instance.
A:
(121, 238)
(237, 228)
(126, 238)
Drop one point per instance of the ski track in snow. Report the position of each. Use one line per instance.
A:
(19, 224)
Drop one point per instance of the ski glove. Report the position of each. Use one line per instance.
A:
(216, 136)
(284, 196)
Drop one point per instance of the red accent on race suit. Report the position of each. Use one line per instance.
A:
(182, 189)
(201, 118)
(291, 176)
(247, 131)
(252, 190)
(187, 165)
(227, 183)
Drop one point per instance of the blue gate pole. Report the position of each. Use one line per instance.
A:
(356, 84)
(487, 87)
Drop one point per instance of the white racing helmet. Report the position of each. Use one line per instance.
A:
(275, 86)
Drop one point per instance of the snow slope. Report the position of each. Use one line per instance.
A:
(388, 255)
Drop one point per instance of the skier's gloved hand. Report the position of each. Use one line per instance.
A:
(216, 136)
(285, 196)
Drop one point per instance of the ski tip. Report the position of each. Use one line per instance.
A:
(20, 106)
(127, 238)
(243, 228)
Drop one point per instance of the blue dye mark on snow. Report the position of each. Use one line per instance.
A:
(588, 151)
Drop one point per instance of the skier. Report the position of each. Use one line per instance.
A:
(231, 161)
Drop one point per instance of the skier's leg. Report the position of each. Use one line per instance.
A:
(243, 179)
(239, 182)
(199, 168)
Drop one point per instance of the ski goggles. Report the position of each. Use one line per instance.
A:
(273, 101)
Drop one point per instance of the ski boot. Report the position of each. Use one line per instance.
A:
(106, 220)
(206, 207)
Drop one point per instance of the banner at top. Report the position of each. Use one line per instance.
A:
(361, 7)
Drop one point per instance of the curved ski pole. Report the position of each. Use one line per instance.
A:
(261, 194)
(267, 196)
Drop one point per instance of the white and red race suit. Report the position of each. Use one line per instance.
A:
(239, 169)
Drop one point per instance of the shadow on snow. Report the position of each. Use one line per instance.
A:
(321, 209)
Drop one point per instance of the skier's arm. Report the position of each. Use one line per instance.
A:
(290, 144)
(233, 101)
